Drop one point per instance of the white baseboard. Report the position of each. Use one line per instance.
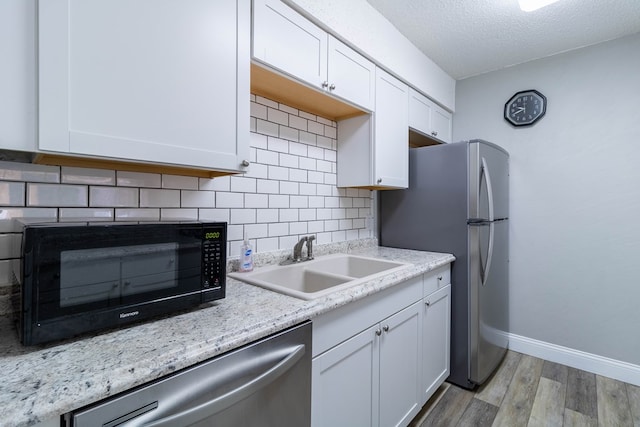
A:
(593, 363)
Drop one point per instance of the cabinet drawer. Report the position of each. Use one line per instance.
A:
(342, 323)
(436, 279)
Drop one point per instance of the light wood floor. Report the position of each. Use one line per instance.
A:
(527, 391)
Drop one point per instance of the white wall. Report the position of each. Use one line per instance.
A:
(575, 194)
(364, 28)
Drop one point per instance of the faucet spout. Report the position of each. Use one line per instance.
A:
(310, 240)
(297, 249)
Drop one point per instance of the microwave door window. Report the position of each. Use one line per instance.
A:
(88, 276)
(149, 268)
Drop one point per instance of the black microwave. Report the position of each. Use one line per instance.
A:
(83, 277)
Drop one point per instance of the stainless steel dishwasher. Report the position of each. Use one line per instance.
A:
(266, 383)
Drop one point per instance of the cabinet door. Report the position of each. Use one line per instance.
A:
(344, 383)
(351, 76)
(441, 124)
(285, 40)
(391, 132)
(400, 360)
(420, 108)
(436, 326)
(18, 75)
(141, 81)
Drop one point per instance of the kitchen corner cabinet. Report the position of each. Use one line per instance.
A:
(134, 81)
(372, 149)
(288, 42)
(428, 118)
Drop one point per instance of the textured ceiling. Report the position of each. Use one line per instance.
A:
(470, 37)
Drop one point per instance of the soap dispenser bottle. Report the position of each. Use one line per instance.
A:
(246, 255)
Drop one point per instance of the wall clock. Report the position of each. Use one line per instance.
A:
(525, 108)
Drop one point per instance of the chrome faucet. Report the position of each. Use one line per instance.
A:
(297, 249)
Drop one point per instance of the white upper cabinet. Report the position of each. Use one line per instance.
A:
(18, 75)
(146, 81)
(288, 42)
(428, 118)
(373, 149)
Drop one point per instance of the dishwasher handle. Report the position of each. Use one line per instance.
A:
(220, 403)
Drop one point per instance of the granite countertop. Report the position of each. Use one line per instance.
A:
(43, 382)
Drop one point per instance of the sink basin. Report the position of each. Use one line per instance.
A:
(319, 277)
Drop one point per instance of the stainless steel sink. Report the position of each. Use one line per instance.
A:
(319, 277)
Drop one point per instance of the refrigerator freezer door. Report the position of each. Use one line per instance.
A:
(489, 296)
(488, 181)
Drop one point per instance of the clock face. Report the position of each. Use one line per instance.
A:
(525, 108)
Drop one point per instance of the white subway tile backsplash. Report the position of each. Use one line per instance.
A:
(144, 214)
(278, 229)
(235, 232)
(352, 213)
(278, 173)
(229, 200)
(153, 198)
(74, 214)
(323, 238)
(278, 145)
(267, 245)
(316, 201)
(289, 161)
(180, 182)
(346, 202)
(352, 192)
(358, 223)
(315, 152)
(325, 121)
(307, 138)
(267, 128)
(307, 214)
(298, 149)
(315, 226)
(338, 236)
(330, 178)
(288, 215)
(330, 155)
(298, 175)
(308, 164)
(338, 214)
(308, 116)
(277, 116)
(197, 199)
(243, 216)
(258, 141)
(268, 187)
(287, 242)
(266, 101)
(252, 124)
(352, 234)
(13, 171)
(332, 225)
(288, 109)
(10, 245)
(324, 190)
(287, 187)
(113, 197)
(298, 228)
(267, 215)
(307, 189)
(12, 193)
(299, 201)
(256, 200)
(240, 184)
(178, 214)
(346, 224)
(258, 111)
(324, 142)
(44, 213)
(219, 215)
(330, 131)
(222, 183)
(72, 175)
(267, 157)
(278, 201)
(323, 166)
(257, 170)
(315, 127)
(298, 123)
(56, 195)
(315, 177)
(288, 133)
(324, 213)
(256, 231)
(138, 179)
(332, 202)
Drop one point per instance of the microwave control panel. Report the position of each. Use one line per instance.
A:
(213, 259)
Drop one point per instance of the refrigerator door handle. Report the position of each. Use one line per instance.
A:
(487, 175)
(485, 270)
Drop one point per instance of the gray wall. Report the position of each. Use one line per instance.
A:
(575, 194)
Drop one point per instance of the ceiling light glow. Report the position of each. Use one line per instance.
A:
(531, 5)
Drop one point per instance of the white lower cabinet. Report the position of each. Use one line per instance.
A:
(436, 332)
(378, 360)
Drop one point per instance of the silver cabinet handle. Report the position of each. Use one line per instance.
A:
(245, 163)
(378, 332)
(332, 87)
(217, 404)
(434, 133)
(427, 303)
(379, 180)
(325, 84)
(385, 328)
(439, 277)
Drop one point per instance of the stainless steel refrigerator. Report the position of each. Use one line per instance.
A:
(458, 202)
